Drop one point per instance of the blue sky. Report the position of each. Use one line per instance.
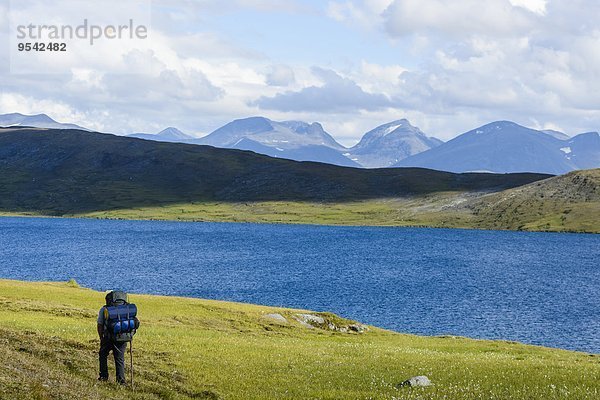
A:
(350, 64)
(306, 38)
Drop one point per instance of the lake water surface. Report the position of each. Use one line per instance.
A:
(540, 288)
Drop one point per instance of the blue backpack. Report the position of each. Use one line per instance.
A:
(120, 317)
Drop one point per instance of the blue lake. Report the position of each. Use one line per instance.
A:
(540, 288)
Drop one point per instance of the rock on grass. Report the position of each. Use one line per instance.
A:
(416, 381)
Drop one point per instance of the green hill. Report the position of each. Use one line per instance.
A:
(200, 349)
(569, 202)
(68, 171)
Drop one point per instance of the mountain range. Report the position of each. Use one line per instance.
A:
(504, 146)
(294, 140)
(499, 147)
(301, 141)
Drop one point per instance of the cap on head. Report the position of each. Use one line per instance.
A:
(116, 297)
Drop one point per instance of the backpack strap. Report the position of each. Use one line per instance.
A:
(105, 322)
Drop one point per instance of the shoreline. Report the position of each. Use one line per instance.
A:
(284, 223)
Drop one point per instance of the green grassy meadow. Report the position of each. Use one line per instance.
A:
(384, 212)
(201, 349)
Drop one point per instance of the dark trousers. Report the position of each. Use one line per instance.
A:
(118, 350)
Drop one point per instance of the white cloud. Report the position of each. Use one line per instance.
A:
(280, 75)
(337, 95)
(366, 14)
(536, 6)
(377, 78)
(456, 18)
(520, 60)
(449, 66)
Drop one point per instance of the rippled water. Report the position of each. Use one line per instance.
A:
(541, 288)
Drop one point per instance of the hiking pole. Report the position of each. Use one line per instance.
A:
(131, 362)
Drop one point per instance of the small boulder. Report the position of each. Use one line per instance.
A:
(416, 381)
(276, 318)
(358, 328)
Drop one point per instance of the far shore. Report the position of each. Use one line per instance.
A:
(409, 213)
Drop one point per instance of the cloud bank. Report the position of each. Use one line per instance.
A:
(447, 66)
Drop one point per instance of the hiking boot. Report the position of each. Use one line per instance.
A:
(122, 382)
(103, 378)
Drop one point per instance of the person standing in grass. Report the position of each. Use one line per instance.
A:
(108, 342)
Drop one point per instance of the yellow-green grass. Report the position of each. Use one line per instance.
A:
(439, 210)
(423, 211)
(418, 211)
(192, 348)
(442, 210)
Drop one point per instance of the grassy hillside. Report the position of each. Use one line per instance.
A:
(199, 349)
(408, 211)
(569, 202)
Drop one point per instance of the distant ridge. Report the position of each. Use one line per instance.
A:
(506, 147)
(169, 134)
(302, 141)
(497, 147)
(503, 147)
(293, 140)
(556, 134)
(36, 121)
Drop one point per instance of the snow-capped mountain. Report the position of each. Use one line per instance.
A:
(505, 146)
(293, 140)
(301, 141)
(36, 121)
(387, 144)
(169, 134)
(284, 135)
(500, 147)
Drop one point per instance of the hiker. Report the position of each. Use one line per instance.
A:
(117, 323)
